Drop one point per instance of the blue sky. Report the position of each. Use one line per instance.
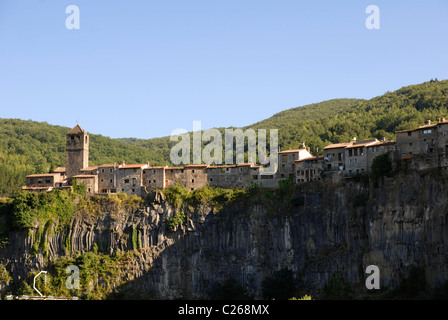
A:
(144, 68)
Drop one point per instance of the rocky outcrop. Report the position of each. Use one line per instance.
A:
(316, 231)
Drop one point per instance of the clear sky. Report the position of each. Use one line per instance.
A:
(142, 68)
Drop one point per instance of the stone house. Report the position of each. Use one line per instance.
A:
(356, 156)
(286, 161)
(154, 177)
(232, 176)
(43, 182)
(426, 145)
(108, 178)
(130, 178)
(309, 169)
(90, 180)
(334, 156)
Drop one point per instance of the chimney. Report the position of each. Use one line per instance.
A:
(428, 121)
(122, 162)
(384, 139)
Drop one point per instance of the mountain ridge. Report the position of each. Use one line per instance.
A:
(28, 147)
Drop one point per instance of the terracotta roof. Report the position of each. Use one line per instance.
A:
(338, 145)
(42, 175)
(364, 143)
(133, 166)
(222, 166)
(87, 176)
(77, 129)
(291, 151)
(311, 158)
(90, 168)
(194, 166)
(59, 170)
(109, 165)
(174, 168)
(244, 164)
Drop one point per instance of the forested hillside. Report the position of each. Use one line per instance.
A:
(32, 147)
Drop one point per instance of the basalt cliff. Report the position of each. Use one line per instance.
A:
(316, 230)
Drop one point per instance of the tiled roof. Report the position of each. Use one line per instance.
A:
(196, 166)
(364, 143)
(291, 151)
(338, 145)
(90, 168)
(77, 129)
(134, 166)
(87, 176)
(311, 158)
(108, 165)
(43, 175)
(59, 170)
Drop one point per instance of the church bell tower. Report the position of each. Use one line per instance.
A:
(77, 151)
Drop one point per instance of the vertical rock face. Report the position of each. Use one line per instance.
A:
(319, 231)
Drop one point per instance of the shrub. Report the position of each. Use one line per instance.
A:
(175, 221)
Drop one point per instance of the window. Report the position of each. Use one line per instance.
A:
(47, 181)
(134, 181)
(110, 170)
(153, 171)
(284, 157)
(211, 179)
(154, 181)
(103, 190)
(427, 131)
(113, 190)
(409, 134)
(102, 180)
(192, 180)
(102, 170)
(133, 190)
(149, 181)
(126, 181)
(192, 171)
(31, 181)
(350, 152)
(111, 180)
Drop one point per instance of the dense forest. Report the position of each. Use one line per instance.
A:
(32, 147)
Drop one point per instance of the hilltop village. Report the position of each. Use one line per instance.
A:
(422, 147)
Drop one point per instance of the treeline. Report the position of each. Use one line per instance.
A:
(28, 147)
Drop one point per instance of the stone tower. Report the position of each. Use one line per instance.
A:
(77, 151)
